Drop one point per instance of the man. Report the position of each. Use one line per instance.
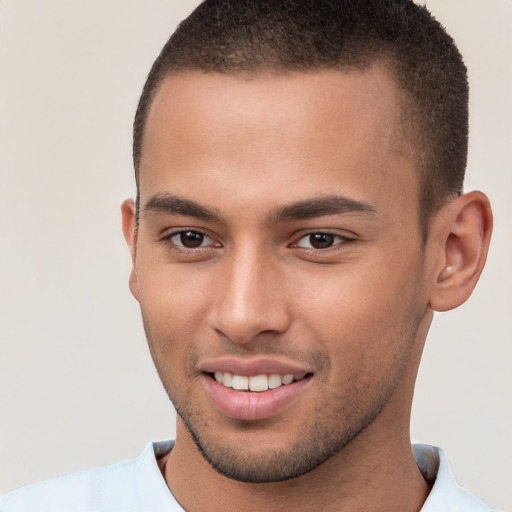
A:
(299, 217)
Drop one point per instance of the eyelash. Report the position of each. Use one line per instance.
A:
(168, 239)
(343, 241)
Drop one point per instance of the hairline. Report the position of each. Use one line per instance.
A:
(385, 59)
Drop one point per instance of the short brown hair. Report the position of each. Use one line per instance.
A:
(234, 36)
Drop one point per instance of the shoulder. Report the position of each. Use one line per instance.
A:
(135, 484)
(446, 495)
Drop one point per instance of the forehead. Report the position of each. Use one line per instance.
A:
(265, 132)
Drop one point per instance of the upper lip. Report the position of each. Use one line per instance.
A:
(252, 366)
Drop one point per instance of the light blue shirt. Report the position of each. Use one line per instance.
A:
(137, 485)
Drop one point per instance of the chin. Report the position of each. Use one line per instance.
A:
(251, 458)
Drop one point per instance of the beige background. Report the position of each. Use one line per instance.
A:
(77, 387)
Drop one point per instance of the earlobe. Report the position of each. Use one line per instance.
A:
(463, 232)
(128, 212)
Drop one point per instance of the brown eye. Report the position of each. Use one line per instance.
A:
(321, 240)
(189, 239)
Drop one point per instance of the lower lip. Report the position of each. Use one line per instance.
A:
(247, 405)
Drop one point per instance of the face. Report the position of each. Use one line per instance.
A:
(278, 265)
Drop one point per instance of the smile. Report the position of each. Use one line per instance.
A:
(257, 383)
(254, 397)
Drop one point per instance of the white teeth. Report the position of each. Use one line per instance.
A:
(227, 379)
(240, 382)
(256, 383)
(287, 379)
(274, 381)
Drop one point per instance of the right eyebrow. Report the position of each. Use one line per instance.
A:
(173, 205)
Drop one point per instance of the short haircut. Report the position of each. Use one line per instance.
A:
(250, 36)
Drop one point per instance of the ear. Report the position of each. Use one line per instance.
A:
(462, 232)
(128, 212)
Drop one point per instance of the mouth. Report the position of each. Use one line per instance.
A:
(254, 397)
(256, 383)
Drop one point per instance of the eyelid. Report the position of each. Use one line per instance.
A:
(345, 240)
(168, 236)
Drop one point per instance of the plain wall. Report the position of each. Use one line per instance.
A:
(77, 386)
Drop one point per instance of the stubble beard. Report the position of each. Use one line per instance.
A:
(339, 419)
(315, 447)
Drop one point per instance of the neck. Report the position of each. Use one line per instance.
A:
(385, 478)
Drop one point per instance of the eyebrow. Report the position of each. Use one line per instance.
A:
(173, 205)
(169, 204)
(320, 207)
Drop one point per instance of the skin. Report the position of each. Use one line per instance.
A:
(354, 314)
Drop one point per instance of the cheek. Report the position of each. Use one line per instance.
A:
(173, 305)
(365, 313)
(170, 290)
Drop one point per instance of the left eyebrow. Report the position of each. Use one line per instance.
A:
(320, 207)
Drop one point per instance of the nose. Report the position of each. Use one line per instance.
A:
(250, 298)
